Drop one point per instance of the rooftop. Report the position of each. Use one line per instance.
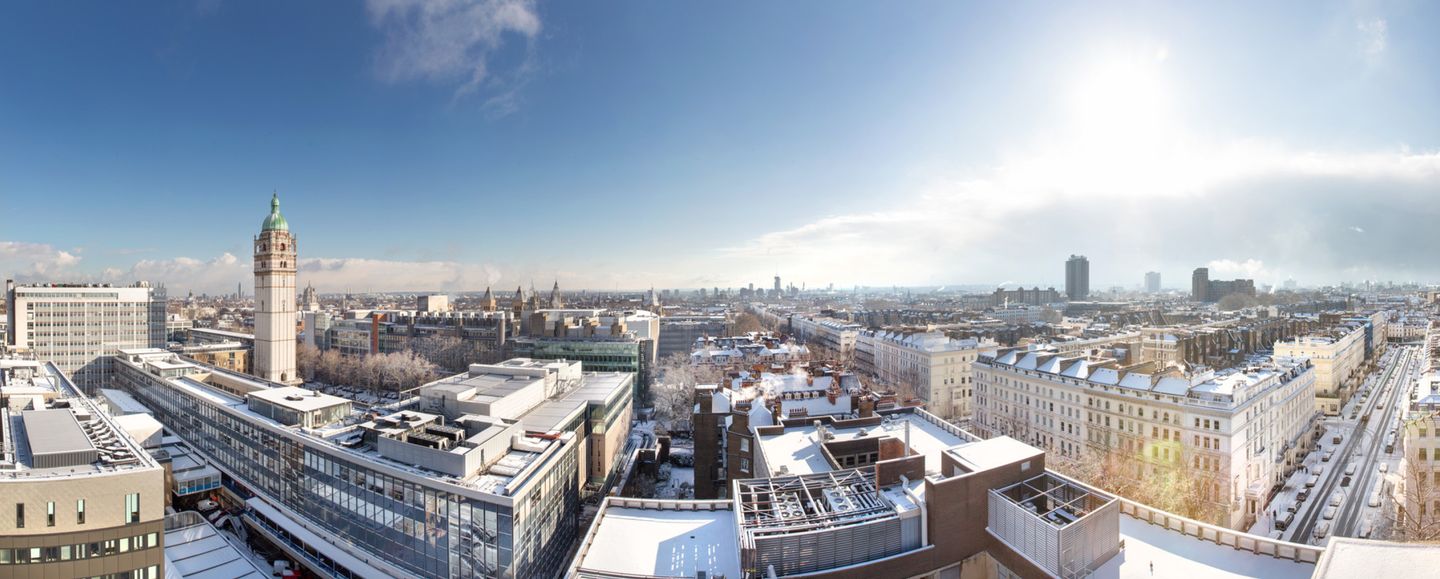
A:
(662, 539)
(799, 449)
(51, 429)
(298, 399)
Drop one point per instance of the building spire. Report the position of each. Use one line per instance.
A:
(275, 221)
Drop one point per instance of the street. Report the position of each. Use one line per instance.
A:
(1358, 456)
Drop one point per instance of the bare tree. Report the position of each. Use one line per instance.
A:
(674, 389)
(1416, 513)
(1179, 487)
(744, 324)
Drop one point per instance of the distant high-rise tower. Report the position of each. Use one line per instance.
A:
(1152, 282)
(1200, 284)
(1077, 277)
(275, 299)
(517, 305)
(777, 283)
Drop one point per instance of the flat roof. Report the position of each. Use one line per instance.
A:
(993, 452)
(1177, 555)
(663, 543)
(799, 449)
(298, 399)
(54, 431)
(1346, 557)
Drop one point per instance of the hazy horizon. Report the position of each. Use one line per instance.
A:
(453, 146)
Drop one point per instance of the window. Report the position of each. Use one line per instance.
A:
(50, 514)
(19, 515)
(79, 511)
(744, 445)
(132, 508)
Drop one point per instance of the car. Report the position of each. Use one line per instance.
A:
(1328, 455)
(1302, 496)
(1321, 531)
(1310, 482)
(1292, 507)
(1350, 468)
(207, 505)
(1366, 529)
(1384, 467)
(1345, 481)
(1319, 469)
(1336, 499)
(1374, 500)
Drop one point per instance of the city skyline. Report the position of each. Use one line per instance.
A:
(1266, 143)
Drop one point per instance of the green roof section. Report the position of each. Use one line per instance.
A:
(276, 221)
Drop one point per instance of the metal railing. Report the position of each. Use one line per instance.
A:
(1238, 540)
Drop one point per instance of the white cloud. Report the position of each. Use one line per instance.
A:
(454, 42)
(1374, 36)
(28, 260)
(1229, 268)
(1357, 229)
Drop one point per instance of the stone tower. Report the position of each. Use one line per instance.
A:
(275, 299)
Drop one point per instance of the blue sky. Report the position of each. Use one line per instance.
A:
(450, 145)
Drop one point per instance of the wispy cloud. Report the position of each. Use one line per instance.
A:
(1374, 36)
(456, 43)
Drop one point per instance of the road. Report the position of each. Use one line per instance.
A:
(1387, 388)
(1348, 522)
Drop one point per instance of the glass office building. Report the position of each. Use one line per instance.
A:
(395, 516)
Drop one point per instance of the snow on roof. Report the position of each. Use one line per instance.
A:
(798, 449)
(663, 543)
(1177, 555)
(993, 452)
(1346, 557)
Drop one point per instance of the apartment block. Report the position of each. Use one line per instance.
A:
(1241, 429)
(937, 367)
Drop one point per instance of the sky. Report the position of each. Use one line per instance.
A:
(452, 145)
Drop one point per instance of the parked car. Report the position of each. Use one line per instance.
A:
(1336, 499)
(1302, 495)
(1321, 531)
(1350, 468)
(1330, 512)
(1384, 467)
(1366, 529)
(1374, 500)
(1310, 482)
(1329, 454)
(207, 505)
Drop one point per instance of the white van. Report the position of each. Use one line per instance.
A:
(1314, 478)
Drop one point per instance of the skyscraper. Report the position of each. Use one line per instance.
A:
(1152, 282)
(1077, 277)
(777, 284)
(275, 256)
(1200, 284)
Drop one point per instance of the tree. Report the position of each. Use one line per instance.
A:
(744, 324)
(1416, 516)
(1179, 488)
(674, 389)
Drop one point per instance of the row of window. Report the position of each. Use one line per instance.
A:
(27, 555)
(132, 511)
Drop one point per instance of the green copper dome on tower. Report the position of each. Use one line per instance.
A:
(276, 221)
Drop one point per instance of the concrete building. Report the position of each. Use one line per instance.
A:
(232, 356)
(1242, 430)
(388, 491)
(678, 333)
(545, 396)
(1077, 278)
(904, 494)
(1338, 354)
(275, 308)
(935, 366)
(1204, 289)
(79, 327)
(80, 497)
(1035, 296)
(1152, 282)
(432, 303)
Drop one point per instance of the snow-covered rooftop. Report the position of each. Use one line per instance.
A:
(798, 449)
(660, 542)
